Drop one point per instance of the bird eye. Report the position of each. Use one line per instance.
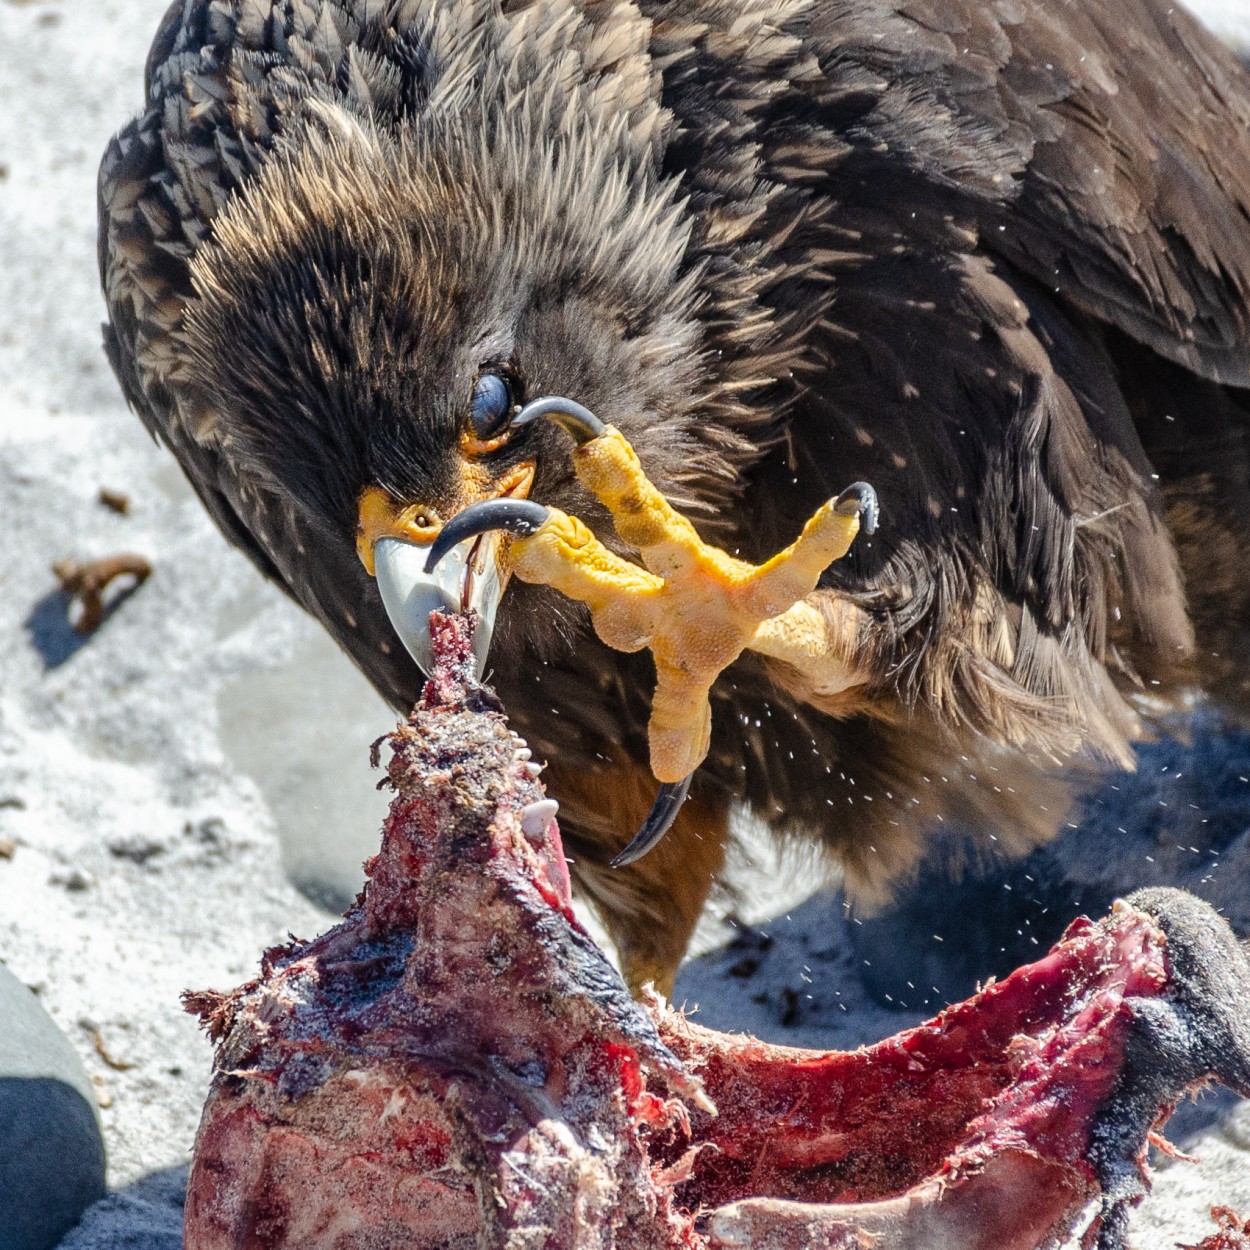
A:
(492, 405)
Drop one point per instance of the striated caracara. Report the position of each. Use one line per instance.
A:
(990, 257)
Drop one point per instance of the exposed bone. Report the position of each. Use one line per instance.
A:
(537, 816)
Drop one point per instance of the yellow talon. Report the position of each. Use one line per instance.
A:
(695, 606)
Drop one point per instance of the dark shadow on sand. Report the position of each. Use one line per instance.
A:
(48, 626)
(49, 623)
(146, 1215)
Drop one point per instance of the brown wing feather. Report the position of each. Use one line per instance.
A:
(894, 158)
(1115, 132)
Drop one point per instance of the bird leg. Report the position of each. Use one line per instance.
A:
(696, 607)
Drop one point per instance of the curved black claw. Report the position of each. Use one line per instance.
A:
(861, 498)
(518, 516)
(579, 423)
(659, 821)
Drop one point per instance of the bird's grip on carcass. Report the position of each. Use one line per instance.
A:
(696, 607)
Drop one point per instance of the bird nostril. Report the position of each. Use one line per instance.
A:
(379, 516)
(418, 527)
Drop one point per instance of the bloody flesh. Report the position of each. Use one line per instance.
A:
(456, 1065)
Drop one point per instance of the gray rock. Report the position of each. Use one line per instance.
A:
(51, 1151)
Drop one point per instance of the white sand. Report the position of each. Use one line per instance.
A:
(143, 774)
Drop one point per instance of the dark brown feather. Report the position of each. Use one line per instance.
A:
(994, 259)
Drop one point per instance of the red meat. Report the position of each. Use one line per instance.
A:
(456, 1065)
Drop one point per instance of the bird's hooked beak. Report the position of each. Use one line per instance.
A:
(423, 565)
(469, 579)
(394, 542)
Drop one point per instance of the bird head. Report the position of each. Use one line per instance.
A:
(377, 304)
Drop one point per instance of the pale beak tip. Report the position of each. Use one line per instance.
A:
(410, 594)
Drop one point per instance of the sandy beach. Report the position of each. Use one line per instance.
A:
(190, 783)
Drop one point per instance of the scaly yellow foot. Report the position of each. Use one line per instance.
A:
(696, 607)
